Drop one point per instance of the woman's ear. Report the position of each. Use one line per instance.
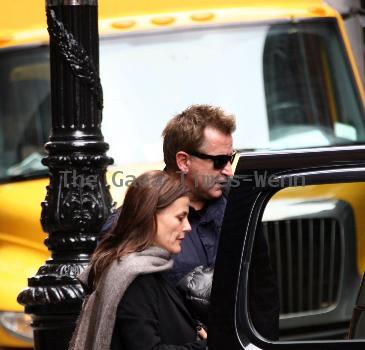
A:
(183, 161)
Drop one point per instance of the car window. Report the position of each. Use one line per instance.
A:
(313, 238)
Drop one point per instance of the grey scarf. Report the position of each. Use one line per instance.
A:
(95, 325)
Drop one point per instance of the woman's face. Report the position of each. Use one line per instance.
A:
(172, 225)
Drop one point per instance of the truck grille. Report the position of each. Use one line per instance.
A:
(307, 258)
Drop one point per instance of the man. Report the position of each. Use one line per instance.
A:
(198, 146)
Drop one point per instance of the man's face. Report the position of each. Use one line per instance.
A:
(203, 179)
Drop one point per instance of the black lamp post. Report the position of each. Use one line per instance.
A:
(78, 200)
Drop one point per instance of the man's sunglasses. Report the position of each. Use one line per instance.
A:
(219, 161)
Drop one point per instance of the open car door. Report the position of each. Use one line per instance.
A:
(312, 242)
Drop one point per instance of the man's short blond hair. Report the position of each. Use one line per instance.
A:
(185, 131)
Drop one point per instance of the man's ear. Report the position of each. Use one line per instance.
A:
(183, 161)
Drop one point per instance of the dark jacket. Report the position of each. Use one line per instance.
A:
(152, 315)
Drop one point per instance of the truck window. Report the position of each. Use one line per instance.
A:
(25, 114)
(309, 97)
(288, 84)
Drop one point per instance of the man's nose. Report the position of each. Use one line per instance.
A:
(227, 170)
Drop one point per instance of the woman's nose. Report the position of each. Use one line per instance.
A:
(187, 226)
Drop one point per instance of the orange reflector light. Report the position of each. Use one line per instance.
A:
(163, 21)
(201, 17)
(5, 39)
(320, 11)
(123, 24)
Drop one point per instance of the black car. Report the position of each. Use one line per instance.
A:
(316, 253)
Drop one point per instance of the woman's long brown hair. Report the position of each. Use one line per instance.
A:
(136, 226)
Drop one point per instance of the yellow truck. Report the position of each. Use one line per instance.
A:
(284, 68)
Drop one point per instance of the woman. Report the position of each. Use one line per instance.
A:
(132, 306)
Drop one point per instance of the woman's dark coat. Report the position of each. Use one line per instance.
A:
(152, 315)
